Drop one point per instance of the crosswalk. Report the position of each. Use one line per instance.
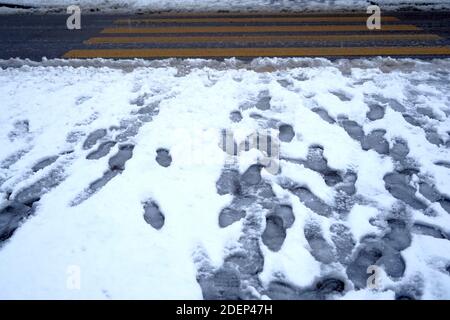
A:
(258, 35)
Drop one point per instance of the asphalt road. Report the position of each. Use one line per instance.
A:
(409, 34)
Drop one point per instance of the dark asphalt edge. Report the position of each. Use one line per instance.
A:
(15, 6)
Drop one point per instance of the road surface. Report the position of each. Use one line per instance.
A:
(222, 35)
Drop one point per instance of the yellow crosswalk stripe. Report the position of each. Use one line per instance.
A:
(257, 52)
(255, 29)
(251, 19)
(265, 38)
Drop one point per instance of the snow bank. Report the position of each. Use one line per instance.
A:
(235, 5)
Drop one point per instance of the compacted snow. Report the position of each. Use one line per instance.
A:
(140, 179)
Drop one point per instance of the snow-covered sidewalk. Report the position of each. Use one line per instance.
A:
(119, 177)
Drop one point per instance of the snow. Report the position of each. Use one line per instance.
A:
(425, 252)
(4, 10)
(233, 5)
(359, 220)
(49, 108)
